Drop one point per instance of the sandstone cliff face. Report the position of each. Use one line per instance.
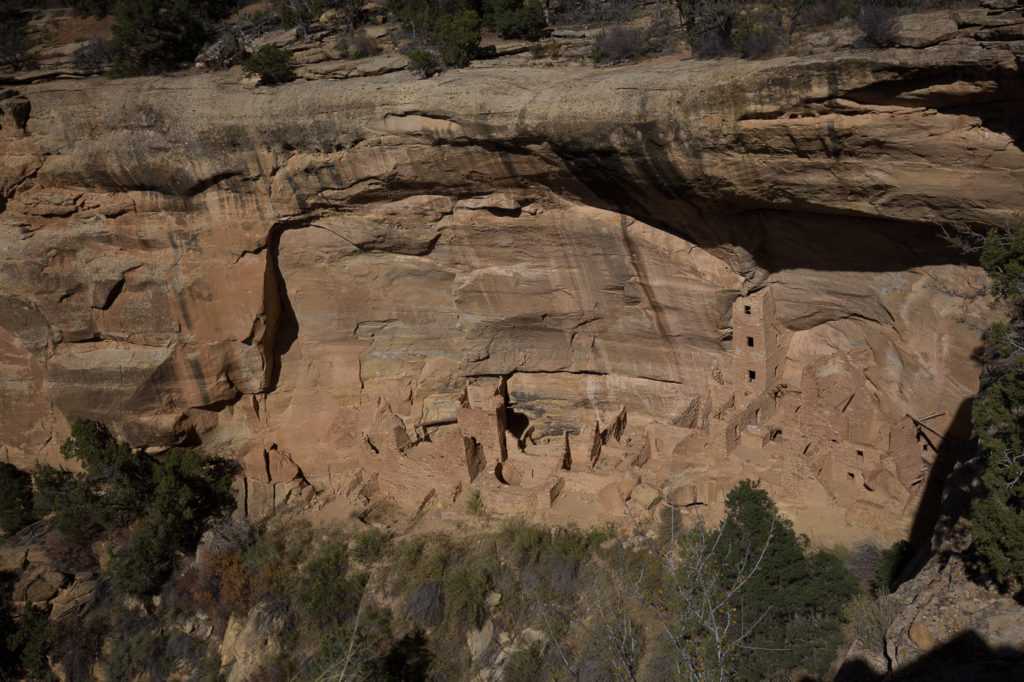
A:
(561, 286)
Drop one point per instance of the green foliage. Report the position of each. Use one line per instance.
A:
(758, 34)
(465, 589)
(293, 13)
(210, 669)
(617, 45)
(525, 665)
(457, 37)
(151, 36)
(890, 565)
(8, 657)
(417, 16)
(877, 19)
(524, 540)
(96, 8)
(553, 580)
(359, 45)
(998, 516)
(1002, 257)
(798, 594)
(324, 591)
(709, 25)
(515, 18)
(170, 498)
(272, 64)
(188, 489)
(422, 63)
(29, 642)
(869, 618)
(369, 545)
(76, 644)
(110, 493)
(530, 543)
(474, 504)
(423, 559)
(542, 50)
(144, 653)
(15, 498)
(14, 42)
(366, 649)
(272, 558)
(91, 57)
(593, 12)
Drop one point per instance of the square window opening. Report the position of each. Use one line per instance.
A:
(751, 375)
(746, 310)
(750, 341)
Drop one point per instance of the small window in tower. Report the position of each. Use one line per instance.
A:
(746, 310)
(750, 341)
(751, 375)
(860, 453)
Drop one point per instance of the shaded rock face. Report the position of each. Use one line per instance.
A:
(519, 280)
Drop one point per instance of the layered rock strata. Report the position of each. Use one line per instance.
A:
(576, 290)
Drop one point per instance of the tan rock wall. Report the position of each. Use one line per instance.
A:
(319, 268)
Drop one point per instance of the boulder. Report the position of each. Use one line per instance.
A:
(479, 641)
(646, 495)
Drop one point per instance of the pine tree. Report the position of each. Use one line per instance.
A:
(794, 596)
(998, 416)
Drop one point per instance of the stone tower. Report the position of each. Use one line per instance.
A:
(758, 351)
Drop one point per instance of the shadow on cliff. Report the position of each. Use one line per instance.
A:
(949, 490)
(949, 448)
(285, 329)
(967, 657)
(777, 235)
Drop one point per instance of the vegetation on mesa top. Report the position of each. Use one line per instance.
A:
(152, 36)
(272, 64)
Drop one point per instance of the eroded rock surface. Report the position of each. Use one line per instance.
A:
(526, 281)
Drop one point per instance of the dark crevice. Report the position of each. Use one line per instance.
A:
(202, 185)
(219, 405)
(581, 372)
(112, 295)
(251, 252)
(283, 326)
(96, 336)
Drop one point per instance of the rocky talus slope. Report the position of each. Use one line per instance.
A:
(563, 287)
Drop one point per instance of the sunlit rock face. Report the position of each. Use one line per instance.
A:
(579, 291)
